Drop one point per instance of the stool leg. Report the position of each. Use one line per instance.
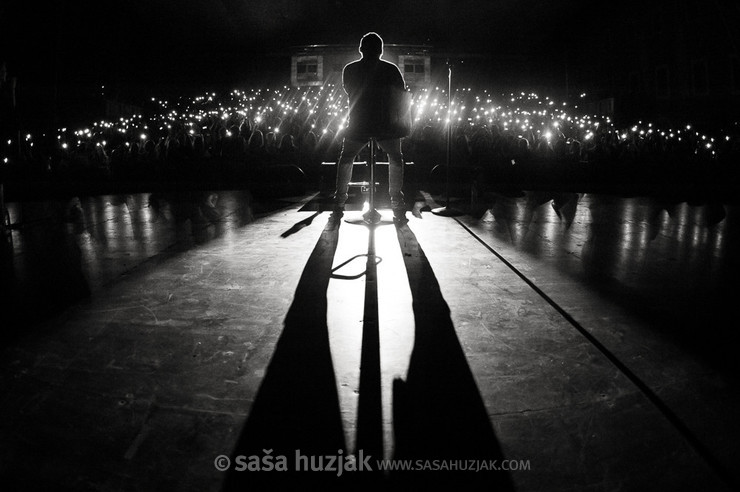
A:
(372, 216)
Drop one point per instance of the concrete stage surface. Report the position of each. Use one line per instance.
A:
(553, 342)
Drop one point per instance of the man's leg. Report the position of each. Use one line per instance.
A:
(350, 149)
(392, 147)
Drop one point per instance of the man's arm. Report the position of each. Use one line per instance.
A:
(348, 79)
(397, 78)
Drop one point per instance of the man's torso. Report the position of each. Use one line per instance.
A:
(370, 85)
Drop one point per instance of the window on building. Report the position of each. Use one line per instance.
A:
(413, 68)
(307, 70)
(413, 65)
(307, 67)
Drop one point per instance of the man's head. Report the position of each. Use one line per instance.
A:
(371, 45)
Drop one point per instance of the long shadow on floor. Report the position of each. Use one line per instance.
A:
(438, 412)
(369, 404)
(297, 405)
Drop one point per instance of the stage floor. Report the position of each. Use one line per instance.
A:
(580, 341)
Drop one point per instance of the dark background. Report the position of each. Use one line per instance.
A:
(65, 52)
(69, 54)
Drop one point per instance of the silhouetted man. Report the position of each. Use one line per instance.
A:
(375, 88)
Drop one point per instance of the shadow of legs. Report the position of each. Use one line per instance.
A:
(297, 405)
(438, 412)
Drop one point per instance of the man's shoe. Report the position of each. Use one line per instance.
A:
(399, 215)
(337, 212)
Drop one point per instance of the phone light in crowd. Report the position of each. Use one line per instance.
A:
(325, 107)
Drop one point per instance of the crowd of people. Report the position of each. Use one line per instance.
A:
(287, 132)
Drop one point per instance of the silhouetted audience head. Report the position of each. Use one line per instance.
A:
(287, 143)
(256, 140)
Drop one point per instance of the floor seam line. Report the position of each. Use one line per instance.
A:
(661, 406)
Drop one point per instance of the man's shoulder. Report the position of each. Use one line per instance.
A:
(360, 64)
(353, 65)
(389, 64)
(390, 67)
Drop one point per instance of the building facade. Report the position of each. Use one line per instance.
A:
(316, 65)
